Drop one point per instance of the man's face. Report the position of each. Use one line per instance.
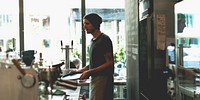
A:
(181, 25)
(88, 26)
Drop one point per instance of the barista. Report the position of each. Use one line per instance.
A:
(188, 73)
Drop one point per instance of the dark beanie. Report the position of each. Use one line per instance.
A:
(94, 19)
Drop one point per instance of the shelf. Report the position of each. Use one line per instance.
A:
(186, 35)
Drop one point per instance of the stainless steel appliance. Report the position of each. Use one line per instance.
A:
(18, 83)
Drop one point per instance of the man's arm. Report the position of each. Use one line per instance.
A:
(83, 69)
(108, 63)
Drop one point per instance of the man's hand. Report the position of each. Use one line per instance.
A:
(85, 75)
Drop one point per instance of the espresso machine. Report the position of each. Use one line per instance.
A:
(17, 83)
(25, 79)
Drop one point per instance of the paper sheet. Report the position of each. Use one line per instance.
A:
(75, 76)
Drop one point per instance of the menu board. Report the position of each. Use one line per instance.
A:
(161, 31)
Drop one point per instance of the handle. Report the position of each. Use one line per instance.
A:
(69, 86)
(61, 43)
(16, 63)
(72, 82)
(58, 65)
(72, 43)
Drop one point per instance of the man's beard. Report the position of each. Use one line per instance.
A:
(90, 31)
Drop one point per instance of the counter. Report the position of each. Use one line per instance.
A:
(189, 90)
(70, 94)
(119, 86)
(116, 82)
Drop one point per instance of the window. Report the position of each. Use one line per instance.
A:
(9, 26)
(50, 23)
(47, 23)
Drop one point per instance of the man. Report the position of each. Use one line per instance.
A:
(188, 73)
(101, 66)
(181, 23)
